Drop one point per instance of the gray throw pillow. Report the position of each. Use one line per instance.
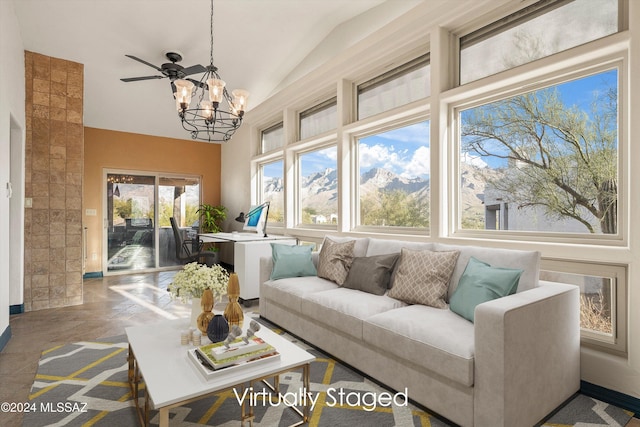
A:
(335, 260)
(422, 277)
(371, 274)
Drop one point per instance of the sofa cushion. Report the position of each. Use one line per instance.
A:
(422, 277)
(345, 309)
(289, 292)
(359, 249)
(335, 260)
(438, 340)
(384, 246)
(528, 261)
(291, 261)
(371, 274)
(481, 283)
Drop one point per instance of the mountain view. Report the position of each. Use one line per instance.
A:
(319, 190)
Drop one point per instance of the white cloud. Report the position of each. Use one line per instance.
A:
(419, 165)
(377, 156)
(473, 160)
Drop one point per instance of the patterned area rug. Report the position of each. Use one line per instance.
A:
(85, 384)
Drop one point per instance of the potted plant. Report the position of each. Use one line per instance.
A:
(189, 283)
(211, 218)
(210, 221)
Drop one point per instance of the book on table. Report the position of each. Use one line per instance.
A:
(217, 356)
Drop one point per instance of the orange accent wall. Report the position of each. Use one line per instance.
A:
(107, 149)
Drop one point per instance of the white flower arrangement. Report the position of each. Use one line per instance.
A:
(194, 278)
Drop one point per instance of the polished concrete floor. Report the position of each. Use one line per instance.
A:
(110, 305)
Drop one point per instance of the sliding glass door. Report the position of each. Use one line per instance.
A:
(138, 232)
(179, 198)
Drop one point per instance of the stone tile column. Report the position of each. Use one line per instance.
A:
(53, 181)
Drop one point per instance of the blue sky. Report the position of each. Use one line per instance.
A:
(405, 151)
(578, 93)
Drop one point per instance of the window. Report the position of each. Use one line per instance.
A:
(535, 32)
(318, 187)
(602, 299)
(272, 138)
(397, 87)
(547, 159)
(319, 119)
(394, 177)
(272, 185)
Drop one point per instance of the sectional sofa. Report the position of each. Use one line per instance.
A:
(516, 362)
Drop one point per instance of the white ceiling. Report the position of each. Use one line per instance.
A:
(257, 45)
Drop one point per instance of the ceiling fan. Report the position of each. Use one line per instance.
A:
(172, 70)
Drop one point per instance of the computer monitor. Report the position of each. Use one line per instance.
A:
(256, 219)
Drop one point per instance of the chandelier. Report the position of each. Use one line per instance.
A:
(209, 120)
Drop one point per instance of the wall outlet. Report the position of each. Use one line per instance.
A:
(90, 212)
(28, 202)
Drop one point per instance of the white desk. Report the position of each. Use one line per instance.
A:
(248, 248)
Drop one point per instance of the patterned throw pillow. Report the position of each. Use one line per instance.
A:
(422, 277)
(335, 260)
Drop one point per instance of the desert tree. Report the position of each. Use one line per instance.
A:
(561, 158)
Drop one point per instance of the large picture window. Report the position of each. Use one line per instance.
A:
(544, 160)
(318, 186)
(535, 32)
(394, 177)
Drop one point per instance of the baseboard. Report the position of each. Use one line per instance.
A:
(92, 275)
(612, 397)
(4, 338)
(16, 309)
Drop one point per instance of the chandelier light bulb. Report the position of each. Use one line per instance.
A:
(207, 110)
(240, 100)
(216, 90)
(183, 93)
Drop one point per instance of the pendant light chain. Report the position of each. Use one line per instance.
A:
(211, 41)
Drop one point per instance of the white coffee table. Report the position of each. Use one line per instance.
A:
(171, 380)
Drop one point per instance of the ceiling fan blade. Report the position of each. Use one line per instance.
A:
(194, 69)
(144, 62)
(135, 79)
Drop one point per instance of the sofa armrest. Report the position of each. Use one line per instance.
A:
(527, 354)
(266, 266)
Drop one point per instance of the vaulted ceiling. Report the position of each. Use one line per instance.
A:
(258, 45)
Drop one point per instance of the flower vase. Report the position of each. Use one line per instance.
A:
(206, 315)
(196, 309)
(233, 312)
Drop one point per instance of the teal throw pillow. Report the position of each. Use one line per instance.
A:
(481, 283)
(291, 261)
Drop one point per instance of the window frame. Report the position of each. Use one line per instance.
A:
(406, 67)
(372, 130)
(533, 82)
(324, 105)
(297, 154)
(260, 190)
(512, 18)
(619, 273)
(271, 128)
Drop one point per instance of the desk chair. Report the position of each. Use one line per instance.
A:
(189, 250)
